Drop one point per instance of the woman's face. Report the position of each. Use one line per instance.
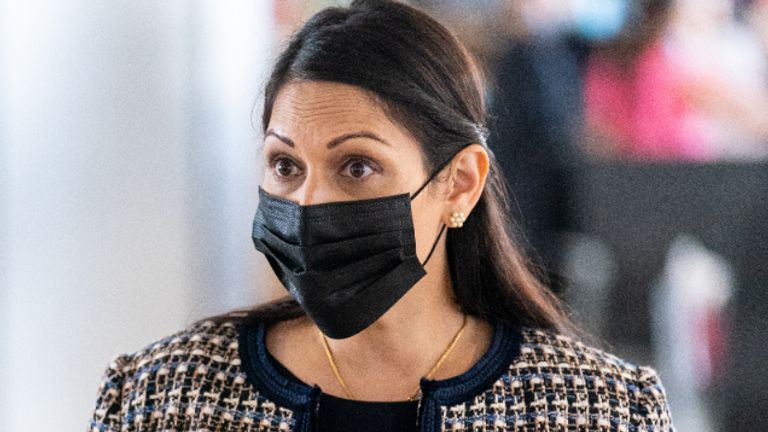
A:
(329, 142)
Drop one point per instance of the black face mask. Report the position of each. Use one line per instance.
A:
(346, 263)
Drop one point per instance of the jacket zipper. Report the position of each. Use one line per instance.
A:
(312, 425)
(422, 422)
(315, 423)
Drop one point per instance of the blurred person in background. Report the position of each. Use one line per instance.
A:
(683, 81)
(635, 106)
(375, 132)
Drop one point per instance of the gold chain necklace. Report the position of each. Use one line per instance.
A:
(415, 394)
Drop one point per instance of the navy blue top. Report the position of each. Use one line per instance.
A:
(271, 378)
(342, 415)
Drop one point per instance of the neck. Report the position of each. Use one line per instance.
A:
(409, 338)
(386, 361)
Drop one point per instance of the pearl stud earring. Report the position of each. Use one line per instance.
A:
(457, 219)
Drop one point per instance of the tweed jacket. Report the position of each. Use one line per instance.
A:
(218, 376)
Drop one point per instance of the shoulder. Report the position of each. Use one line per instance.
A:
(545, 347)
(597, 381)
(211, 341)
(179, 376)
(557, 381)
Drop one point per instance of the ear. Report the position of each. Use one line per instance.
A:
(469, 170)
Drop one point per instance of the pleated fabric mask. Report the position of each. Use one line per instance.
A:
(346, 263)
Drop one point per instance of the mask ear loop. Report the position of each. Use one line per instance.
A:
(434, 174)
(442, 228)
(434, 245)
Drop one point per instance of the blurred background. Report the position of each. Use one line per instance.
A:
(633, 134)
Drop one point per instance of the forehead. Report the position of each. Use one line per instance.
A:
(315, 109)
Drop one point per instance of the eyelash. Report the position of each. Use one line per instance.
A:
(272, 162)
(275, 159)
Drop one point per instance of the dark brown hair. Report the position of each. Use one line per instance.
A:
(426, 81)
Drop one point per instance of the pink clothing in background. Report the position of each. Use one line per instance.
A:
(642, 108)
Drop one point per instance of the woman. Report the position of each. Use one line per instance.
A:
(383, 214)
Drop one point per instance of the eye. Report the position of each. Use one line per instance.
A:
(358, 169)
(283, 167)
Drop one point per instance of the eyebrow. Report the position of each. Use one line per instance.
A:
(334, 142)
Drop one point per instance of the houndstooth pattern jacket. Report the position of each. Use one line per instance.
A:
(217, 376)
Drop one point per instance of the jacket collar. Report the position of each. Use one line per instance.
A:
(287, 391)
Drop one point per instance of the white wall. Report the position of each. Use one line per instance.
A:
(129, 173)
(233, 50)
